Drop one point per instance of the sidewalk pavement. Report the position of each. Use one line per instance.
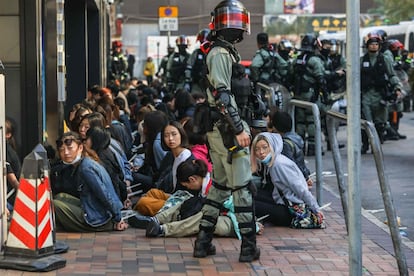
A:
(284, 251)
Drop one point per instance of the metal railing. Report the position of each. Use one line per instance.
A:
(369, 128)
(318, 140)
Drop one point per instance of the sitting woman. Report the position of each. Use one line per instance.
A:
(183, 219)
(98, 207)
(96, 119)
(175, 141)
(97, 146)
(283, 193)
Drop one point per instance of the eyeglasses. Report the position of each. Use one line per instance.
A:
(66, 141)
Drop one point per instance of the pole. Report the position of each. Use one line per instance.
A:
(3, 185)
(354, 136)
(61, 64)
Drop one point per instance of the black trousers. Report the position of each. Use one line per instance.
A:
(279, 214)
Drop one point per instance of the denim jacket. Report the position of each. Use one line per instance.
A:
(99, 200)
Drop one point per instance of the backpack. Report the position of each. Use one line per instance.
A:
(293, 152)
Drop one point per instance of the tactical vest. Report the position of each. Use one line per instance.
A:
(300, 69)
(270, 66)
(373, 76)
(240, 86)
(199, 68)
(177, 69)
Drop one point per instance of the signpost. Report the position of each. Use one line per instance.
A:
(168, 19)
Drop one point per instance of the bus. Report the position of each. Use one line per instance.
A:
(404, 32)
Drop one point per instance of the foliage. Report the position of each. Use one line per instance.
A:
(395, 10)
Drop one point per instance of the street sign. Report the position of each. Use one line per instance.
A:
(168, 11)
(168, 23)
(168, 18)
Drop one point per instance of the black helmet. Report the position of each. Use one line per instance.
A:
(230, 14)
(285, 45)
(202, 35)
(309, 42)
(326, 41)
(383, 34)
(372, 37)
(182, 40)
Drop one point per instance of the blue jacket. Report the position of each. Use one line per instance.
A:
(99, 200)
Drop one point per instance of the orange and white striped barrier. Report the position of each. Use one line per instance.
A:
(30, 242)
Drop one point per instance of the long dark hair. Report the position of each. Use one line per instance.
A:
(154, 122)
(184, 138)
(100, 138)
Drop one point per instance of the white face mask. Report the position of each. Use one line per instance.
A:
(78, 157)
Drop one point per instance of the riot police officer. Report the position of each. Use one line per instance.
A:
(177, 63)
(162, 69)
(228, 136)
(267, 65)
(119, 63)
(195, 73)
(379, 85)
(309, 85)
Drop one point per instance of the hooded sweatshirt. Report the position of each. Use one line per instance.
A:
(286, 176)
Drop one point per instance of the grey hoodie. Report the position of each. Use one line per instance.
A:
(287, 177)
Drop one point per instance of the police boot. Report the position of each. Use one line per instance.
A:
(249, 251)
(203, 246)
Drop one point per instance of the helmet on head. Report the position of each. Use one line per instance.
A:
(230, 14)
(395, 45)
(116, 44)
(309, 42)
(182, 40)
(373, 37)
(326, 41)
(383, 34)
(202, 35)
(285, 45)
(170, 49)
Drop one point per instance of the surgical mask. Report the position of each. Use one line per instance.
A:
(78, 157)
(267, 159)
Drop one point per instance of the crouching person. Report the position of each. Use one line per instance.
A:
(96, 206)
(183, 219)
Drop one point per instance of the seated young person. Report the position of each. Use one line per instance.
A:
(98, 207)
(97, 145)
(283, 186)
(183, 219)
(174, 140)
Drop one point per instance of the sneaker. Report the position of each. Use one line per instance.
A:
(154, 229)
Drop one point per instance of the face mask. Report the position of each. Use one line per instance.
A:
(267, 159)
(78, 157)
(325, 52)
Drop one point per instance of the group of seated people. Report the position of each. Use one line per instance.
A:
(102, 160)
